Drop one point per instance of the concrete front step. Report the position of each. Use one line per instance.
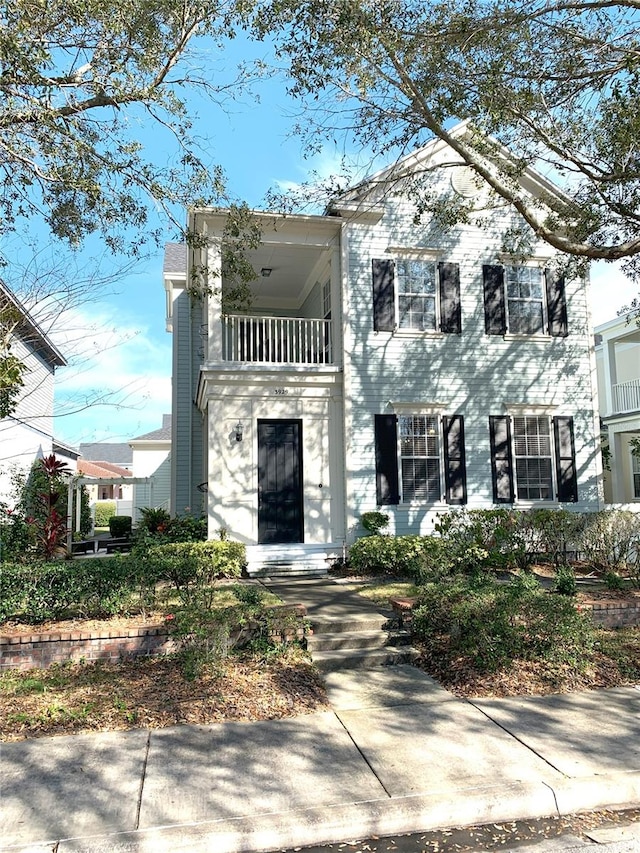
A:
(351, 623)
(331, 661)
(344, 640)
(287, 570)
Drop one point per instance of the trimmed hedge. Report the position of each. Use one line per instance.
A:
(87, 588)
(120, 525)
(185, 564)
(104, 510)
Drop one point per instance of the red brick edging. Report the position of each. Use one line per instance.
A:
(39, 650)
(605, 614)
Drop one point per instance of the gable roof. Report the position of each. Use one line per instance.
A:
(530, 179)
(162, 434)
(102, 469)
(29, 330)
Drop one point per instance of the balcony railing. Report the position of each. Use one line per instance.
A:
(626, 396)
(276, 340)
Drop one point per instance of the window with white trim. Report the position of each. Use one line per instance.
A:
(417, 294)
(525, 302)
(532, 442)
(635, 468)
(419, 458)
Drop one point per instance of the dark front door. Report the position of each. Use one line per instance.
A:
(279, 482)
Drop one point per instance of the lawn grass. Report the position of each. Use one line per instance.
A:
(379, 592)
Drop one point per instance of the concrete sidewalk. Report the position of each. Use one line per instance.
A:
(397, 753)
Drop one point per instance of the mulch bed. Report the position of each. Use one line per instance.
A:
(153, 693)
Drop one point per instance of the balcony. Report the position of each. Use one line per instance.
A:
(626, 396)
(276, 340)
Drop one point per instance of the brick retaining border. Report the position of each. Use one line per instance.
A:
(41, 649)
(38, 651)
(605, 614)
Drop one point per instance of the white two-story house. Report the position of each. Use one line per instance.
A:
(385, 362)
(26, 434)
(618, 366)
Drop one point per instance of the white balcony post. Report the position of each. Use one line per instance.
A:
(610, 374)
(214, 265)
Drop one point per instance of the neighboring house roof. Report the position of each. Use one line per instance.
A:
(29, 330)
(115, 453)
(175, 259)
(162, 434)
(65, 449)
(102, 469)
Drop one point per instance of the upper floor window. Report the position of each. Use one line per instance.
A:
(416, 294)
(524, 300)
(525, 306)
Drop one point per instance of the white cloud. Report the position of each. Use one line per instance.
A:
(118, 381)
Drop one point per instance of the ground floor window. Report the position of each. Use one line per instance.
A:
(534, 466)
(420, 458)
(533, 458)
(635, 467)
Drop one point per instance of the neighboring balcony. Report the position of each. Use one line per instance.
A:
(276, 340)
(626, 397)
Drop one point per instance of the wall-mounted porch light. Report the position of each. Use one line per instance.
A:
(265, 272)
(239, 430)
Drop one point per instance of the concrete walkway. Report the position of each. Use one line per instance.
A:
(396, 753)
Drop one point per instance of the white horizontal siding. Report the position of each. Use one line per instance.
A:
(470, 374)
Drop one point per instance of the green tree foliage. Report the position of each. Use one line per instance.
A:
(557, 83)
(12, 370)
(80, 83)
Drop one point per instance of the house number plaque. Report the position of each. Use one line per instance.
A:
(279, 392)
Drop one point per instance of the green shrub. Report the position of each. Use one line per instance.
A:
(479, 539)
(613, 580)
(610, 539)
(495, 623)
(154, 519)
(187, 528)
(194, 567)
(406, 556)
(103, 512)
(565, 580)
(374, 522)
(120, 525)
(87, 588)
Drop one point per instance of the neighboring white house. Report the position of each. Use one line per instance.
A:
(618, 369)
(386, 362)
(152, 459)
(27, 434)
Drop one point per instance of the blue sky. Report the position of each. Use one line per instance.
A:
(118, 382)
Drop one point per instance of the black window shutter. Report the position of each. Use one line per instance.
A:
(455, 471)
(495, 310)
(386, 440)
(450, 309)
(384, 313)
(501, 465)
(556, 304)
(565, 459)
